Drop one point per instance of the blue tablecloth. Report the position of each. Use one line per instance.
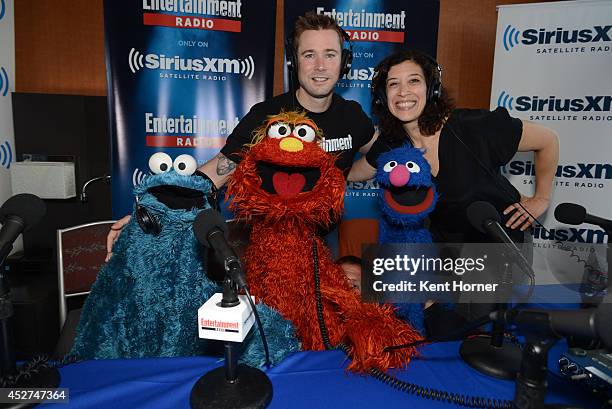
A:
(304, 380)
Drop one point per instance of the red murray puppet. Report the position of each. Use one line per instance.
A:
(288, 188)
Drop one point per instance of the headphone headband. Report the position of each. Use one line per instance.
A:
(434, 83)
(346, 59)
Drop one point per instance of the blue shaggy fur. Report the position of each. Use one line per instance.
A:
(145, 300)
(402, 218)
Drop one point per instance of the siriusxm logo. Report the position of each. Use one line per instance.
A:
(360, 74)
(572, 235)
(512, 36)
(4, 82)
(6, 155)
(245, 66)
(593, 103)
(576, 171)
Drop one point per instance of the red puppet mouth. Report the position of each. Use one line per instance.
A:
(287, 181)
(409, 199)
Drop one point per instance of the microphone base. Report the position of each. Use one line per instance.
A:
(45, 378)
(251, 389)
(499, 362)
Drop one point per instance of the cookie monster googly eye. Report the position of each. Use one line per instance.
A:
(185, 165)
(160, 162)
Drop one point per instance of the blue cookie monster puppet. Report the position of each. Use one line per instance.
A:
(408, 196)
(145, 300)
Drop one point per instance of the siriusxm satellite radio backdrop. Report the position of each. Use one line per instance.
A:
(552, 66)
(376, 28)
(181, 74)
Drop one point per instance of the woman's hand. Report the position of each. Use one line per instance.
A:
(535, 205)
(113, 235)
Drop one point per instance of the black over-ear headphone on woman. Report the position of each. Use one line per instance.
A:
(434, 83)
(346, 59)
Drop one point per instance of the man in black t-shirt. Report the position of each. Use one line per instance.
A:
(318, 60)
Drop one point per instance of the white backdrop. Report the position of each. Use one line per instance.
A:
(7, 85)
(553, 65)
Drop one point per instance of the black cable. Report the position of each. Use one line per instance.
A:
(264, 341)
(413, 389)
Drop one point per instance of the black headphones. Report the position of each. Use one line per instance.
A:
(434, 84)
(148, 222)
(346, 59)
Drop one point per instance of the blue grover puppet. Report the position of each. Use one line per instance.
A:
(145, 300)
(408, 196)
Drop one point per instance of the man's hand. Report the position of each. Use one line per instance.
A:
(113, 235)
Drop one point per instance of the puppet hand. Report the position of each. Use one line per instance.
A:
(535, 205)
(113, 235)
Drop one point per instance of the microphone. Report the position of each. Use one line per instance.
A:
(485, 218)
(589, 323)
(18, 214)
(210, 229)
(574, 214)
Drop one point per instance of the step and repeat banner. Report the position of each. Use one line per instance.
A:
(181, 74)
(376, 28)
(552, 66)
(7, 85)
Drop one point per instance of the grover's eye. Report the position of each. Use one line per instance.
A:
(413, 167)
(185, 165)
(279, 130)
(160, 162)
(305, 133)
(389, 166)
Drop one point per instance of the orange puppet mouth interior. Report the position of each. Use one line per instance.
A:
(287, 181)
(409, 199)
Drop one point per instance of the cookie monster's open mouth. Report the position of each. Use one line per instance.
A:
(409, 199)
(287, 181)
(178, 197)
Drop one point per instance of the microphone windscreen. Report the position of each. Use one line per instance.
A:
(205, 222)
(26, 206)
(570, 213)
(480, 211)
(603, 318)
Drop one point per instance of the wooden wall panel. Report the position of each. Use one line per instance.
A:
(59, 47)
(466, 46)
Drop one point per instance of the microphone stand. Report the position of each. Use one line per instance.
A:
(531, 383)
(489, 354)
(232, 385)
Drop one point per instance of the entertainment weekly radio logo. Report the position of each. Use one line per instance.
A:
(554, 108)
(362, 25)
(214, 65)
(560, 40)
(187, 131)
(193, 14)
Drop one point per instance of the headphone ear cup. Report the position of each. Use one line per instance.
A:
(148, 222)
(346, 62)
(290, 55)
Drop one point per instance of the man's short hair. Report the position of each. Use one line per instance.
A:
(314, 21)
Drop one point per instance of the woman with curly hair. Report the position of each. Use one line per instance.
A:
(465, 148)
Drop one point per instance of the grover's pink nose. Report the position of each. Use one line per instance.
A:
(399, 176)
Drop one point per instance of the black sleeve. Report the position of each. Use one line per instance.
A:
(363, 123)
(379, 147)
(243, 133)
(502, 134)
